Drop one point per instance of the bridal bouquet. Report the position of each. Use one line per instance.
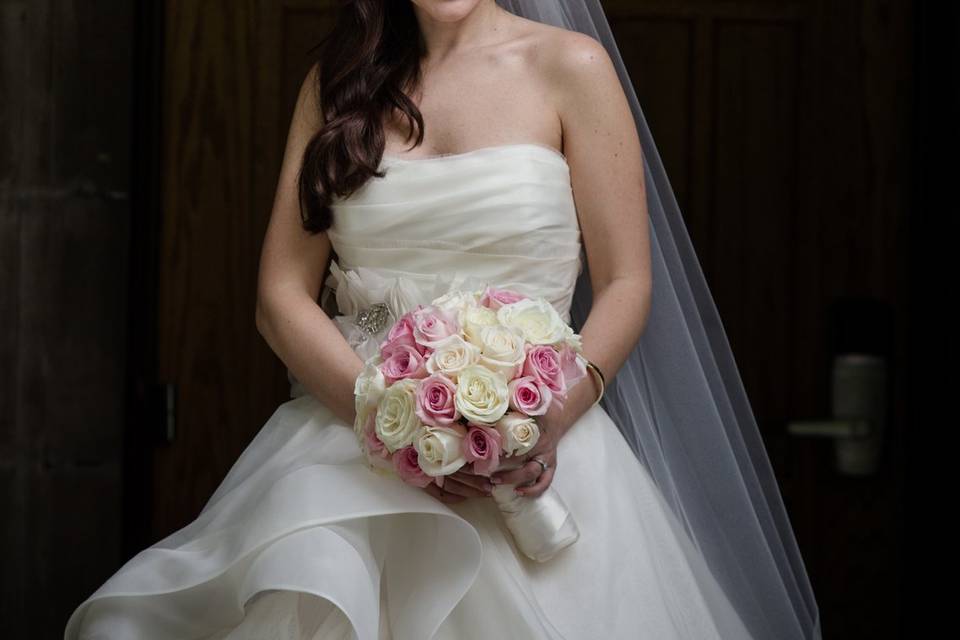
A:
(459, 383)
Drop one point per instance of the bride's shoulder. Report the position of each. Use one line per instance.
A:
(556, 45)
(575, 68)
(569, 59)
(571, 53)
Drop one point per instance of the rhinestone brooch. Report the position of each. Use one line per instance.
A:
(373, 319)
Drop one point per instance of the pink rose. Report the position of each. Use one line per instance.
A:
(574, 368)
(404, 362)
(495, 298)
(401, 333)
(435, 401)
(482, 448)
(529, 395)
(374, 445)
(432, 324)
(543, 363)
(376, 452)
(405, 462)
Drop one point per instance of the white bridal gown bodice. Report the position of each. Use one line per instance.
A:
(502, 215)
(303, 541)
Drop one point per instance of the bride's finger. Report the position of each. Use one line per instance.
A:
(539, 486)
(452, 485)
(544, 448)
(474, 480)
(520, 475)
(442, 494)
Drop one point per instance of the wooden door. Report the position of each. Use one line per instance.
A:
(232, 71)
(784, 130)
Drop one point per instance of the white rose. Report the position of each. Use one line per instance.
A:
(368, 389)
(440, 449)
(519, 433)
(482, 395)
(536, 319)
(502, 349)
(456, 301)
(574, 340)
(397, 422)
(451, 355)
(475, 319)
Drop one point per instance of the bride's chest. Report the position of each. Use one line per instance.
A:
(479, 199)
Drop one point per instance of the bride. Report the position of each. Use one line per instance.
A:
(529, 163)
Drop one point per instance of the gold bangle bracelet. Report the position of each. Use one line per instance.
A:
(598, 375)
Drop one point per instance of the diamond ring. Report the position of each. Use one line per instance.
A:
(542, 464)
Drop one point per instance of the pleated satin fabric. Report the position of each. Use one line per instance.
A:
(501, 214)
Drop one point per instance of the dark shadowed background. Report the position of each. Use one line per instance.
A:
(140, 152)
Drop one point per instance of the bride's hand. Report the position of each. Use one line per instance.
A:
(530, 479)
(459, 486)
(463, 483)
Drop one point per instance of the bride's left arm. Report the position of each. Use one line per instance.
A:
(603, 150)
(602, 147)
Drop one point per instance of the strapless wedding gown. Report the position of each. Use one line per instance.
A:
(303, 541)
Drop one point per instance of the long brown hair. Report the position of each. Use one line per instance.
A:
(365, 64)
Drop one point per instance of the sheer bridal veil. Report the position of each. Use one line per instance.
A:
(680, 403)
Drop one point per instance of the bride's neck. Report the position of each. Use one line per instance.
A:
(447, 32)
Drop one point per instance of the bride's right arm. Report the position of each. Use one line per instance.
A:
(292, 262)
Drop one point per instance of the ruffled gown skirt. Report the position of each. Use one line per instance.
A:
(303, 541)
